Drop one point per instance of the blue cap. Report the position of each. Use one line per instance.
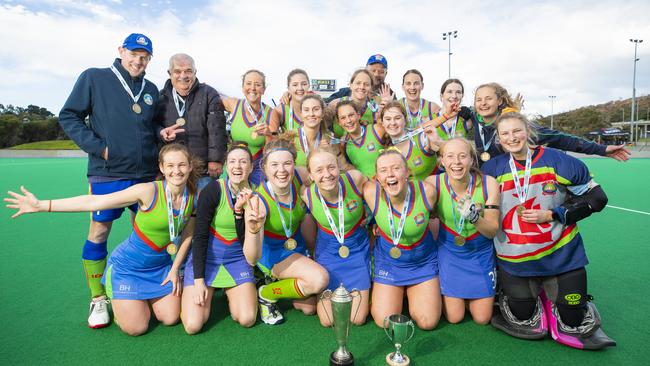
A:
(377, 59)
(137, 41)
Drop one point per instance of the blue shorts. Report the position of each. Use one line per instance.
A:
(415, 265)
(352, 272)
(111, 187)
(273, 252)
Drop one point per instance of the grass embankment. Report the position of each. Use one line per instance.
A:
(47, 145)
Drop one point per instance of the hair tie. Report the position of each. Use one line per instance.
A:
(509, 110)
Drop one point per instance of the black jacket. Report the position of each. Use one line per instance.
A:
(205, 123)
(131, 138)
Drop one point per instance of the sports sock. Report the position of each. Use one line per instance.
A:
(283, 289)
(94, 263)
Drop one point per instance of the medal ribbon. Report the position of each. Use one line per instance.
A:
(287, 230)
(395, 236)
(253, 114)
(290, 116)
(339, 232)
(414, 120)
(522, 192)
(481, 130)
(126, 86)
(173, 234)
(177, 98)
(459, 223)
(452, 128)
(303, 139)
(408, 136)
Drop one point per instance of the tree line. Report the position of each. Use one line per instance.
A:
(20, 125)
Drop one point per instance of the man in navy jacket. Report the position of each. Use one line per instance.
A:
(109, 114)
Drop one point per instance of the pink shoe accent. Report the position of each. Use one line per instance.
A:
(562, 338)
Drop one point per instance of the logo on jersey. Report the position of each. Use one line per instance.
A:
(352, 205)
(419, 219)
(520, 232)
(148, 99)
(371, 146)
(418, 161)
(549, 188)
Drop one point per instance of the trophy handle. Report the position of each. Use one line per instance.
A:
(326, 295)
(386, 324)
(410, 323)
(353, 295)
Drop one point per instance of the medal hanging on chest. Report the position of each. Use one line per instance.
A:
(485, 155)
(338, 231)
(395, 234)
(180, 121)
(258, 121)
(290, 243)
(521, 191)
(135, 107)
(174, 230)
(458, 206)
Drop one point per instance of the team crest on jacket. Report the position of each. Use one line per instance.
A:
(148, 99)
(549, 188)
(352, 205)
(419, 219)
(371, 146)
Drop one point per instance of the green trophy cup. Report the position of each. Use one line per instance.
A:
(397, 328)
(341, 301)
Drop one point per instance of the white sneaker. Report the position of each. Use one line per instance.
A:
(269, 311)
(98, 316)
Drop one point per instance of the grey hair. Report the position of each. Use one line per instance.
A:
(181, 57)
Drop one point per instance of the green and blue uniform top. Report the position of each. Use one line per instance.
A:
(363, 152)
(461, 130)
(289, 121)
(241, 127)
(424, 113)
(353, 209)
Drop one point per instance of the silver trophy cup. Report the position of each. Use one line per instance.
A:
(341, 301)
(397, 328)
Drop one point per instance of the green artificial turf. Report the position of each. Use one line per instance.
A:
(44, 299)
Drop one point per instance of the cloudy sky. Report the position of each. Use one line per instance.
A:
(580, 52)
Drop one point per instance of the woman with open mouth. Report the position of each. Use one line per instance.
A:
(342, 245)
(141, 275)
(287, 115)
(419, 109)
(361, 84)
(273, 239)
(405, 253)
(469, 218)
(250, 118)
(217, 259)
(361, 144)
(540, 252)
(451, 93)
(419, 146)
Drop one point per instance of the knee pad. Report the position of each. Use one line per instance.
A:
(533, 328)
(587, 335)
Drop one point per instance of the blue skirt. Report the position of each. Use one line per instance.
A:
(273, 251)
(354, 271)
(415, 265)
(134, 271)
(225, 265)
(468, 271)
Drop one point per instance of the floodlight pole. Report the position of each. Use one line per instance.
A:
(448, 36)
(632, 116)
(552, 98)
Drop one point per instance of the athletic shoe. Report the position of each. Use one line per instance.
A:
(98, 316)
(269, 311)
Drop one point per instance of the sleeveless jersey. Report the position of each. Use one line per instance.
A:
(242, 128)
(353, 209)
(151, 225)
(222, 226)
(273, 225)
(445, 211)
(528, 249)
(364, 152)
(289, 121)
(301, 157)
(417, 220)
(420, 162)
(461, 129)
(413, 120)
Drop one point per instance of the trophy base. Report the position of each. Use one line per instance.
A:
(335, 361)
(390, 362)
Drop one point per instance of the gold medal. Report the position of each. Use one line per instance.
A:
(344, 251)
(290, 244)
(520, 209)
(459, 240)
(395, 252)
(171, 248)
(180, 121)
(485, 156)
(136, 108)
